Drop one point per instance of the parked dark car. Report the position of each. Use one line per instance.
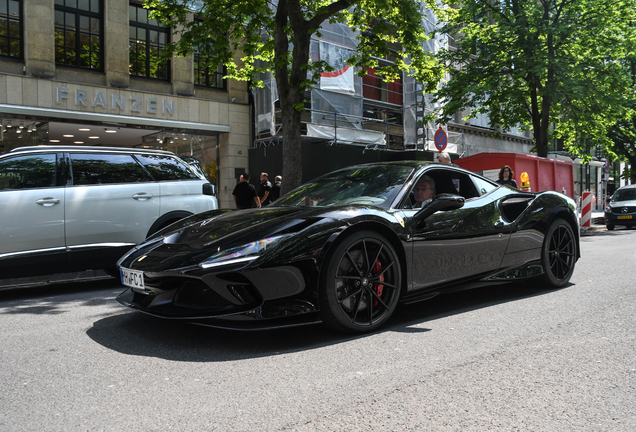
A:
(621, 209)
(346, 248)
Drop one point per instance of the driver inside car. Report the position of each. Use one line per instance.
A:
(423, 190)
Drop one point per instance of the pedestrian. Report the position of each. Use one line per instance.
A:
(275, 192)
(264, 189)
(444, 158)
(244, 193)
(507, 177)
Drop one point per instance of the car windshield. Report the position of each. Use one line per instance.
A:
(370, 185)
(625, 195)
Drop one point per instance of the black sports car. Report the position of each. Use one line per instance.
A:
(347, 247)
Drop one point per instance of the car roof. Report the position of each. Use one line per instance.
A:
(629, 186)
(95, 149)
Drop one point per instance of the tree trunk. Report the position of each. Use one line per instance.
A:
(290, 87)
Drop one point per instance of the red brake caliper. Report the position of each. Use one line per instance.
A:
(378, 287)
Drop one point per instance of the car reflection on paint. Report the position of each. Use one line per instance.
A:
(346, 248)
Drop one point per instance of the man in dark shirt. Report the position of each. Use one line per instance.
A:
(263, 190)
(244, 193)
(274, 194)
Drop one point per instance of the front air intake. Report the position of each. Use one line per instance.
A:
(197, 295)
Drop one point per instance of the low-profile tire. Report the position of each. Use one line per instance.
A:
(609, 227)
(360, 283)
(558, 254)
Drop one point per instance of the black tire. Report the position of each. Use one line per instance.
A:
(609, 227)
(558, 254)
(360, 283)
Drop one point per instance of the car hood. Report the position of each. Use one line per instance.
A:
(193, 240)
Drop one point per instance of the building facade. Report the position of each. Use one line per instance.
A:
(87, 72)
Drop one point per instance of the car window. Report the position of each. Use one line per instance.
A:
(628, 194)
(370, 185)
(483, 186)
(91, 169)
(27, 172)
(166, 168)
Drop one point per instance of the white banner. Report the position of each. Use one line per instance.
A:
(346, 134)
(340, 81)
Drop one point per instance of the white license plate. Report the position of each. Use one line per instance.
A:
(625, 217)
(132, 278)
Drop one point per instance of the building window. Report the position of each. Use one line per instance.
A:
(148, 39)
(78, 33)
(375, 88)
(11, 28)
(204, 75)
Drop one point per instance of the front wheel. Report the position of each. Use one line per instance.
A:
(558, 254)
(360, 283)
(609, 227)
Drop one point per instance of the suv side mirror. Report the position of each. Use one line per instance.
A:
(441, 202)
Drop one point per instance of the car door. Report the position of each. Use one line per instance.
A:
(31, 204)
(456, 245)
(112, 201)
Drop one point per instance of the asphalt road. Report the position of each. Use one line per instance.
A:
(514, 357)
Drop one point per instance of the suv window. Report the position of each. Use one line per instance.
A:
(24, 172)
(90, 169)
(166, 168)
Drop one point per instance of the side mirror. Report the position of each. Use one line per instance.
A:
(441, 202)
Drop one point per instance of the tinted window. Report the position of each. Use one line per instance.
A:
(90, 169)
(370, 185)
(25, 172)
(166, 168)
(628, 194)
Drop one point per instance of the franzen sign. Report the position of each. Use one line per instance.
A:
(134, 103)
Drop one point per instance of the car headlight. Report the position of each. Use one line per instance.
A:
(608, 209)
(244, 253)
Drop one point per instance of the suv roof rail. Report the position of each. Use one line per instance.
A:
(87, 148)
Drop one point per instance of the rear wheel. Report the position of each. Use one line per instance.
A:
(558, 254)
(360, 283)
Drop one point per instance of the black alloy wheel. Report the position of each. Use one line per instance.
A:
(360, 283)
(558, 254)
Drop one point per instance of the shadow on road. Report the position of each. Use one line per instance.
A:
(135, 333)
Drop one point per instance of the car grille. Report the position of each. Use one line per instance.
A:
(197, 295)
(619, 210)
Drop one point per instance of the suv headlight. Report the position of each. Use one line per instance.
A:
(244, 253)
(608, 209)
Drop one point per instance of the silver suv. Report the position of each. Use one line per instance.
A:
(68, 209)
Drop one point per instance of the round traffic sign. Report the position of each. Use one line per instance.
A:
(440, 139)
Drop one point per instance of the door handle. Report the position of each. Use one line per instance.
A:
(48, 202)
(499, 224)
(142, 196)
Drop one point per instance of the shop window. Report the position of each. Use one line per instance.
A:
(78, 33)
(148, 39)
(11, 28)
(375, 88)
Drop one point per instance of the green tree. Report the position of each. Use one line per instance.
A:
(278, 33)
(623, 132)
(550, 65)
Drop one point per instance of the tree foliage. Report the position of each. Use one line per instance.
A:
(551, 65)
(279, 32)
(623, 132)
